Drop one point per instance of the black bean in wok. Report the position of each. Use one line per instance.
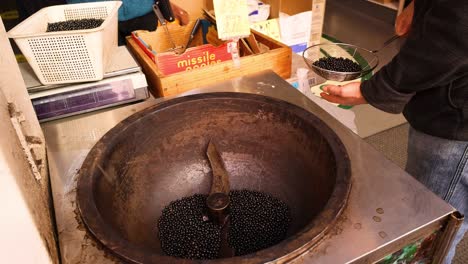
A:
(184, 231)
(257, 221)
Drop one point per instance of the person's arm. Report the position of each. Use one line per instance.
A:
(433, 55)
(351, 94)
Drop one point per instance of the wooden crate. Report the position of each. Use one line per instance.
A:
(278, 59)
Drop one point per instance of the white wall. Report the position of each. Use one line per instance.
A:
(20, 240)
(26, 229)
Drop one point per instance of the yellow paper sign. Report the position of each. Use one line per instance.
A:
(268, 27)
(232, 19)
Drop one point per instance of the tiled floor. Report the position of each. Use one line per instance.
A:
(461, 255)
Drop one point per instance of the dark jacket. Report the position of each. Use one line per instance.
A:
(428, 78)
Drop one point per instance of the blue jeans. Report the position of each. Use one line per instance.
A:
(441, 165)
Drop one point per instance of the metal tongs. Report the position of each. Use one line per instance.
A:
(386, 43)
(163, 11)
(192, 34)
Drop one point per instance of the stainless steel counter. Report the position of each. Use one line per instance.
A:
(386, 205)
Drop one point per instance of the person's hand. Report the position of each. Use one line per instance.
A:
(349, 94)
(180, 14)
(404, 20)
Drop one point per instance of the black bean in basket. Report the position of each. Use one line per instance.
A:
(338, 64)
(75, 24)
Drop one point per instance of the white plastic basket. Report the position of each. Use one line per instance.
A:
(68, 56)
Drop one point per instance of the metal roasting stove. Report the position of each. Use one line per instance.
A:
(349, 203)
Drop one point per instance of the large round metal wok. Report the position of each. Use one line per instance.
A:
(159, 155)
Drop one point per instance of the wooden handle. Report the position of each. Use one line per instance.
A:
(220, 183)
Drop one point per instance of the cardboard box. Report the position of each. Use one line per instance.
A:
(277, 6)
(318, 16)
(288, 7)
(278, 58)
(293, 8)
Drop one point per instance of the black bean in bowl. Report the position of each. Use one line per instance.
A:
(74, 24)
(338, 64)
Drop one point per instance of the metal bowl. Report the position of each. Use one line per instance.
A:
(158, 155)
(366, 58)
